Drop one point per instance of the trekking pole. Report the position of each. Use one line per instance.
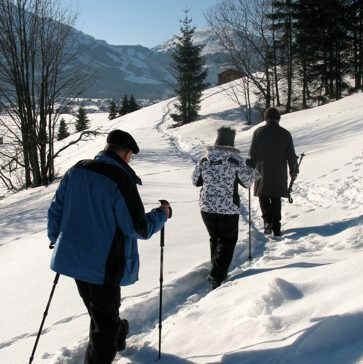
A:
(44, 316)
(162, 238)
(162, 234)
(249, 225)
(293, 180)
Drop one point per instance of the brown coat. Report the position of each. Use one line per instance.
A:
(272, 149)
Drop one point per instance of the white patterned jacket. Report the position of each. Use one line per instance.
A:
(219, 174)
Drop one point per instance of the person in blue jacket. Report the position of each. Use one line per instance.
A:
(94, 221)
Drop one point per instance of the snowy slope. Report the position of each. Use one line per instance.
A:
(298, 301)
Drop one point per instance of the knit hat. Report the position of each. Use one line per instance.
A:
(272, 114)
(225, 137)
(122, 139)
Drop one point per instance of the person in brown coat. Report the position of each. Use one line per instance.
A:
(272, 150)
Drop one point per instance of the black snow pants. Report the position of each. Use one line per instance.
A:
(223, 233)
(102, 303)
(271, 211)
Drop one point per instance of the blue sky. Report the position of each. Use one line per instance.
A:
(145, 22)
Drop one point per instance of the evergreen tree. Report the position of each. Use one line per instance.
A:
(314, 38)
(62, 130)
(81, 119)
(113, 110)
(133, 106)
(124, 109)
(282, 24)
(335, 46)
(188, 71)
(355, 19)
(306, 47)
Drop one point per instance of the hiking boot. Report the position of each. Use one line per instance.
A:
(124, 330)
(215, 282)
(267, 228)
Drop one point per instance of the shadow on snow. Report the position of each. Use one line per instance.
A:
(324, 230)
(333, 339)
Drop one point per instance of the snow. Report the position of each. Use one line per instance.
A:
(298, 301)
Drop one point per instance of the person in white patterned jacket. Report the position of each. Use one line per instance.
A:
(219, 173)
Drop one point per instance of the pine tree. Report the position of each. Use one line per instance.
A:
(133, 106)
(63, 130)
(355, 18)
(282, 30)
(333, 44)
(113, 110)
(124, 109)
(188, 71)
(313, 37)
(81, 119)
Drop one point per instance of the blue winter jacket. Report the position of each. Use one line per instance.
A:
(95, 219)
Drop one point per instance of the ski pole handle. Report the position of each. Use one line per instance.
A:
(302, 155)
(293, 180)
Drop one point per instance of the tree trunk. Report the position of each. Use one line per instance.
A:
(289, 64)
(304, 84)
(25, 145)
(360, 48)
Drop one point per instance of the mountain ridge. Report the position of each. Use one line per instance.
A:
(138, 70)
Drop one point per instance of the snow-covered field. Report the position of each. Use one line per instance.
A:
(299, 301)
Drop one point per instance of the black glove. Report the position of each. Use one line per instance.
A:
(51, 245)
(165, 203)
(250, 163)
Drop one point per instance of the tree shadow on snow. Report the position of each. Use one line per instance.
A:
(333, 339)
(324, 230)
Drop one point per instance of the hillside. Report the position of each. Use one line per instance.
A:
(137, 70)
(299, 300)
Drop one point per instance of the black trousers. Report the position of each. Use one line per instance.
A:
(102, 303)
(271, 210)
(223, 233)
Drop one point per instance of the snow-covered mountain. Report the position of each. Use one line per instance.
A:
(202, 37)
(122, 69)
(139, 70)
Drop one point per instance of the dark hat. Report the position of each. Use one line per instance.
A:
(225, 137)
(122, 139)
(272, 114)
